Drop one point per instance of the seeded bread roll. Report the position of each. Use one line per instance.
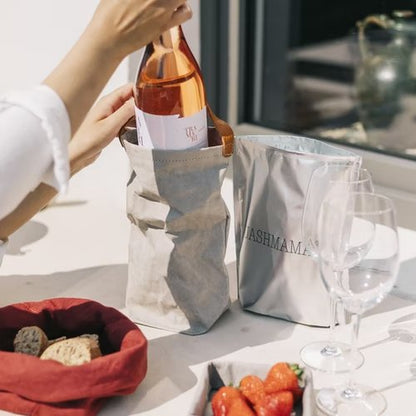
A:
(72, 351)
(30, 340)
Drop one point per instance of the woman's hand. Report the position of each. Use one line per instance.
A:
(127, 25)
(100, 127)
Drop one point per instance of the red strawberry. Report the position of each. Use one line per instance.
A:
(282, 376)
(240, 407)
(275, 404)
(223, 399)
(252, 388)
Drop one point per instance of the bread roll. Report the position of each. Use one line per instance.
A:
(72, 351)
(52, 341)
(30, 340)
(95, 337)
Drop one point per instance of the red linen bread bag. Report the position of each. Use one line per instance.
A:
(31, 386)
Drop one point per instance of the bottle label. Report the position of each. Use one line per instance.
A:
(172, 132)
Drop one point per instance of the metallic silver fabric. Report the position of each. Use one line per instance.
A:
(276, 274)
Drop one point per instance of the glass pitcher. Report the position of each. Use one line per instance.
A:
(385, 81)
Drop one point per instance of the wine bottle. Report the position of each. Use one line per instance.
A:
(170, 96)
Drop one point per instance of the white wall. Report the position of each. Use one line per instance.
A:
(36, 34)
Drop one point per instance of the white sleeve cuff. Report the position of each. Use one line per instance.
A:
(48, 107)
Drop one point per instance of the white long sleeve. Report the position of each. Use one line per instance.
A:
(34, 134)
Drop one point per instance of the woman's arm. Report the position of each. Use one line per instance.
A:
(99, 128)
(41, 131)
(31, 205)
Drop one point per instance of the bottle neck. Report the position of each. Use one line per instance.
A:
(169, 39)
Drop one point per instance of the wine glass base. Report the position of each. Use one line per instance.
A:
(335, 359)
(360, 401)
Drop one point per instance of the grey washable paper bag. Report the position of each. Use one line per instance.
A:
(177, 279)
(276, 274)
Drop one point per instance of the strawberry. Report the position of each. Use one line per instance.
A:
(252, 388)
(282, 376)
(223, 399)
(275, 404)
(240, 407)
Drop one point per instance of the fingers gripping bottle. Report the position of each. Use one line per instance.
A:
(169, 96)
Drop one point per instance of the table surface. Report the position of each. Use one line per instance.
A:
(77, 247)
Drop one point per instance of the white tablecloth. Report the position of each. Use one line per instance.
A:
(77, 247)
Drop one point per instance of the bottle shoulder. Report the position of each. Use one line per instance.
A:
(168, 67)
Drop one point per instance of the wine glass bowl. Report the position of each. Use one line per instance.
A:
(327, 180)
(365, 265)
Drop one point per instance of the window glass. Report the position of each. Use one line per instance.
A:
(308, 68)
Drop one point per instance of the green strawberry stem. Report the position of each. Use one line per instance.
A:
(297, 370)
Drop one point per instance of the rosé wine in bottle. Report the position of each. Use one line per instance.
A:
(169, 96)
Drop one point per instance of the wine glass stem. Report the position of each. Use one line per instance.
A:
(352, 392)
(333, 319)
(331, 348)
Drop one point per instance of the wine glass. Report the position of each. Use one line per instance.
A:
(330, 179)
(359, 252)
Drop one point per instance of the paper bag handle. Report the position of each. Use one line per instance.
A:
(225, 131)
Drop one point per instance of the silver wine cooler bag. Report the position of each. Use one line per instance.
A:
(276, 275)
(177, 279)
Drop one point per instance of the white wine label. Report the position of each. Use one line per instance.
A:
(143, 135)
(172, 132)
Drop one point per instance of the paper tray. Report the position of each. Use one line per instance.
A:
(233, 372)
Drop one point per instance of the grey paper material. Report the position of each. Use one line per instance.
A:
(177, 279)
(233, 372)
(276, 275)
